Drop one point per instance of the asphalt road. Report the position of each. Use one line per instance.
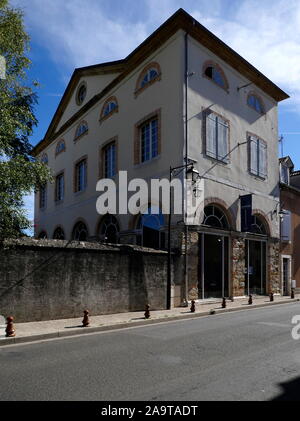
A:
(248, 355)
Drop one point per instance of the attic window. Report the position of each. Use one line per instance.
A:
(60, 147)
(81, 93)
(256, 103)
(150, 74)
(110, 106)
(214, 72)
(82, 128)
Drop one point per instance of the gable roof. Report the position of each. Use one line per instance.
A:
(179, 20)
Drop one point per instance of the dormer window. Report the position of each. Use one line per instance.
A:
(214, 72)
(284, 174)
(256, 103)
(81, 93)
(82, 128)
(60, 147)
(150, 74)
(110, 106)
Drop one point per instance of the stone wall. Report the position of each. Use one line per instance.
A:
(274, 268)
(238, 267)
(53, 279)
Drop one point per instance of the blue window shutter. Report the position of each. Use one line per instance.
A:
(262, 159)
(253, 155)
(286, 226)
(222, 139)
(211, 135)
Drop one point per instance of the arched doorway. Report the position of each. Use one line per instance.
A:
(59, 234)
(109, 229)
(150, 229)
(80, 232)
(214, 254)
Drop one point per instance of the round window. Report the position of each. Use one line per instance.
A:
(81, 93)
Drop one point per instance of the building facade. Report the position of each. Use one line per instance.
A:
(181, 97)
(290, 223)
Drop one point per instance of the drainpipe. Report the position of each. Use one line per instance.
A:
(186, 277)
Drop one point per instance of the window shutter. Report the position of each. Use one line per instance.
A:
(222, 139)
(286, 225)
(253, 155)
(211, 135)
(262, 159)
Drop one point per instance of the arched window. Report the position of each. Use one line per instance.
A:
(109, 229)
(256, 103)
(82, 128)
(150, 226)
(80, 232)
(150, 74)
(258, 225)
(42, 235)
(44, 158)
(214, 72)
(59, 234)
(215, 217)
(110, 106)
(60, 147)
(81, 93)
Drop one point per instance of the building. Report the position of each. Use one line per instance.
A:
(290, 224)
(181, 97)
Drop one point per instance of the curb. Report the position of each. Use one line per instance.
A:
(126, 325)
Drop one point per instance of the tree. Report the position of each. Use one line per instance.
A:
(20, 173)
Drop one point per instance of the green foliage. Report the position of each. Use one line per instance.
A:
(20, 173)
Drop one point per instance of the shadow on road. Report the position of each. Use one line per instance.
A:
(291, 391)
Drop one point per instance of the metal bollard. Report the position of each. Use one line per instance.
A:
(10, 331)
(272, 296)
(250, 301)
(147, 312)
(86, 320)
(224, 302)
(193, 308)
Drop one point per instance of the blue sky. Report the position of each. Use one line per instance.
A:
(66, 34)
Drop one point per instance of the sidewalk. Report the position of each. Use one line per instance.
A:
(33, 331)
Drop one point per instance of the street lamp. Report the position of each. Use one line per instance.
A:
(193, 175)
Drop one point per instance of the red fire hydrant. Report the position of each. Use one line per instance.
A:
(86, 320)
(147, 312)
(10, 331)
(193, 308)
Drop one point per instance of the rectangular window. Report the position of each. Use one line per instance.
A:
(110, 161)
(59, 187)
(43, 197)
(81, 175)
(149, 140)
(258, 157)
(286, 226)
(217, 136)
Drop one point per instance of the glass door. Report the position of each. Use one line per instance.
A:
(213, 266)
(255, 262)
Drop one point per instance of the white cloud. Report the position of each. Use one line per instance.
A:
(266, 33)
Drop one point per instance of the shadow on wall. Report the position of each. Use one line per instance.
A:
(290, 391)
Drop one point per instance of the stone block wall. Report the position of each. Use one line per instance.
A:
(54, 279)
